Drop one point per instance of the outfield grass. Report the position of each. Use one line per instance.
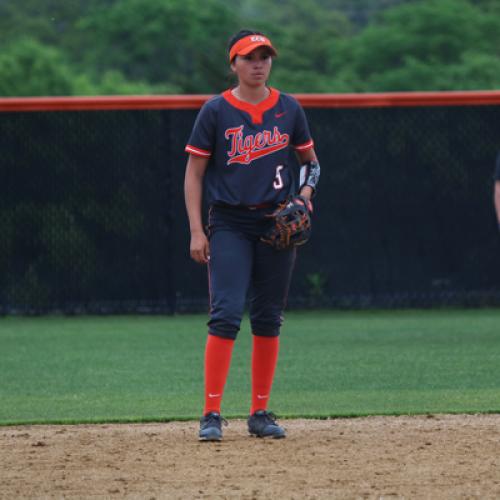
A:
(139, 368)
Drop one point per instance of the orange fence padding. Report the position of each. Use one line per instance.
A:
(389, 99)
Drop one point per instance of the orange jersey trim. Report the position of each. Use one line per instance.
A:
(304, 147)
(197, 151)
(256, 111)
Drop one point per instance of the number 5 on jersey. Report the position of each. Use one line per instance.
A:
(278, 181)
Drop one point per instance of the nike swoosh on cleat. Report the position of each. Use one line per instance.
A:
(260, 396)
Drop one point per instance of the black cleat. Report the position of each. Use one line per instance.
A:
(263, 424)
(211, 427)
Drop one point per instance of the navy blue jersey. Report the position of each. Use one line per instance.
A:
(249, 147)
(497, 169)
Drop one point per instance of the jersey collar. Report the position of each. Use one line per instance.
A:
(256, 111)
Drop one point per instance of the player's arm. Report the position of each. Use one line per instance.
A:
(496, 198)
(304, 158)
(193, 195)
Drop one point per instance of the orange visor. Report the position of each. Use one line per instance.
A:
(251, 42)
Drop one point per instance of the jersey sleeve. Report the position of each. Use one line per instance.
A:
(202, 138)
(301, 138)
(496, 175)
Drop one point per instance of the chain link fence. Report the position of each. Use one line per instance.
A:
(92, 217)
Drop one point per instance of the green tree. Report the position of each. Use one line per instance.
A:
(427, 45)
(113, 82)
(305, 34)
(168, 46)
(28, 68)
(162, 41)
(49, 21)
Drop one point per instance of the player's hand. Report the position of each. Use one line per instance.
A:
(306, 192)
(199, 248)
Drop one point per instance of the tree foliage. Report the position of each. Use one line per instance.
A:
(162, 41)
(428, 45)
(29, 68)
(174, 46)
(305, 34)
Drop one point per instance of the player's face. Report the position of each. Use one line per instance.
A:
(254, 68)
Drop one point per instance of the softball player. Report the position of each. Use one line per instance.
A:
(239, 148)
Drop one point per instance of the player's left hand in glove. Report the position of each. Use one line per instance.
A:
(291, 225)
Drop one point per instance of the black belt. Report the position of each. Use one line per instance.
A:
(246, 207)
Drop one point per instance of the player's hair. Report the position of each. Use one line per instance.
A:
(238, 36)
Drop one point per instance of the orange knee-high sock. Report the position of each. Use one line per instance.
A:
(218, 353)
(264, 359)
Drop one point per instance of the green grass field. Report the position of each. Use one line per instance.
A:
(140, 368)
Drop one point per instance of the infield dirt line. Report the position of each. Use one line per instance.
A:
(442, 456)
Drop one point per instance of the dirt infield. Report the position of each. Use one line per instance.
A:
(390, 457)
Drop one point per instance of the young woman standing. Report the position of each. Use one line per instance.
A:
(239, 148)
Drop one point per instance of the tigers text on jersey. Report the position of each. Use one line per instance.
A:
(249, 147)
